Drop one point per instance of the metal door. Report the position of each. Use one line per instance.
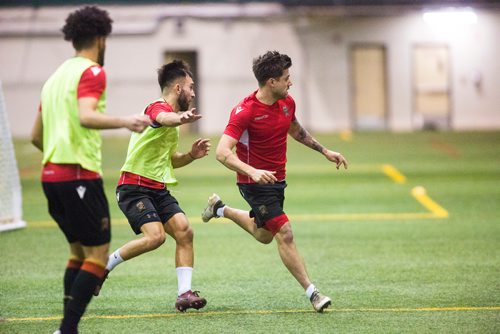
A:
(369, 87)
(431, 67)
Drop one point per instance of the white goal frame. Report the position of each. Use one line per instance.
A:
(11, 205)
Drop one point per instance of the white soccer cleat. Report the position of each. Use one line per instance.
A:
(319, 301)
(214, 203)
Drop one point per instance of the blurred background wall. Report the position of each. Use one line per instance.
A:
(381, 66)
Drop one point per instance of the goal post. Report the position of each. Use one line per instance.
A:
(10, 186)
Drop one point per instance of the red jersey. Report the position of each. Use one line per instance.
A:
(261, 131)
(92, 84)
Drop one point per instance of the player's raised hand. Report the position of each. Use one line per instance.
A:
(262, 176)
(200, 148)
(337, 158)
(189, 116)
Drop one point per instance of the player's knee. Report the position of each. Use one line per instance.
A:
(100, 259)
(265, 239)
(185, 235)
(155, 240)
(286, 235)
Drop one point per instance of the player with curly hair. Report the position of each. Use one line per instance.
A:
(66, 130)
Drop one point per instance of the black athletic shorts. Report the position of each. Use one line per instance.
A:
(266, 200)
(81, 210)
(143, 205)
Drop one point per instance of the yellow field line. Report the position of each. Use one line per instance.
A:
(293, 218)
(298, 218)
(362, 216)
(393, 173)
(346, 135)
(421, 195)
(251, 312)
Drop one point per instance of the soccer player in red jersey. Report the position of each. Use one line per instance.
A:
(66, 130)
(258, 127)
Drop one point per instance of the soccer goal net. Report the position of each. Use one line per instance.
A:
(10, 186)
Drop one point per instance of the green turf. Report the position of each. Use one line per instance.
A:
(392, 275)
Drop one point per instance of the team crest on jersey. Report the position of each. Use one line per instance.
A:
(285, 111)
(140, 206)
(263, 210)
(104, 224)
(81, 191)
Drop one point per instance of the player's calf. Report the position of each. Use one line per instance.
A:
(98, 287)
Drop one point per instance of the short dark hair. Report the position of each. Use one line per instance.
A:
(172, 71)
(85, 24)
(270, 65)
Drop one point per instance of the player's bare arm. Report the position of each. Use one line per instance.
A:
(37, 132)
(172, 119)
(199, 149)
(301, 135)
(91, 119)
(225, 155)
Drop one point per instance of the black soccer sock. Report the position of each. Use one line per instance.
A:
(89, 276)
(72, 270)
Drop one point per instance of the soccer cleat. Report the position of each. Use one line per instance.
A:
(99, 285)
(214, 203)
(319, 301)
(190, 299)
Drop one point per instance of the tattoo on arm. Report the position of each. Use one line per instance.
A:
(302, 135)
(316, 146)
(305, 138)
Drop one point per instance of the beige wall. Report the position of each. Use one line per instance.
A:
(318, 46)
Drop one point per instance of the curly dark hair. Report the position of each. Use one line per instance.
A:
(85, 24)
(168, 73)
(270, 65)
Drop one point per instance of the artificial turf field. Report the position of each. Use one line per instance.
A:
(407, 240)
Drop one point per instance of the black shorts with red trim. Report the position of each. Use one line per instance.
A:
(266, 200)
(143, 205)
(81, 210)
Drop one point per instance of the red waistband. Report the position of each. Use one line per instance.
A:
(66, 172)
(131, 178)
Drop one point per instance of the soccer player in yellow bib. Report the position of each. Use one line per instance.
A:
(66, 130)
(142, 190)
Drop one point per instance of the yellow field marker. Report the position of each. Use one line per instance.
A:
(320, 217)
(346, 135)
(251, 312)
(421, 195)
(393, 173)
(362, 216)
